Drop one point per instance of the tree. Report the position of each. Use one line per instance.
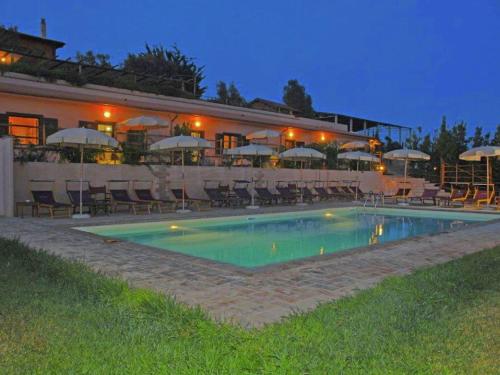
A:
(477, 140)
(496, 138)
(295, 96)
(97, 59)
(169, 64)
(229, 95)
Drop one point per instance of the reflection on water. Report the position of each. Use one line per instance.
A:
(252, 243)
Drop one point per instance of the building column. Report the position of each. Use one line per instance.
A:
(350, 125)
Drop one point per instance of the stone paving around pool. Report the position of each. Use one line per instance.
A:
(249, 298)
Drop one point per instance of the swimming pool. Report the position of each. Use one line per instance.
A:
(259, 240)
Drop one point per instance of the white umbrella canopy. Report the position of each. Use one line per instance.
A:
(475, 154)
(263, 134)
(250, 150)
(77, 137)
(354, 145)
(181, 143)
(406, 154)
(358, 156)
(302, 154)
(82, 138)
(145, 122)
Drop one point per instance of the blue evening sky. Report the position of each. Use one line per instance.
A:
(401, 61)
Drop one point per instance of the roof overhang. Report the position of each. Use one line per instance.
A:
(22, 84)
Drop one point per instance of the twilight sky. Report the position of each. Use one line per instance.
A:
(402, 61)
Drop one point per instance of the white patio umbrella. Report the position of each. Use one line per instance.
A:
(252, 150)
(263, 134)
(354, 145)
(82, 138)
(358, 156)
(302, 154)
(475, 154)
(406, 155)
(145, 122)
(181, 143)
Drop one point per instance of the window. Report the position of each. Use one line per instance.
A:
(225, 141)
(106, 129)
(24, 129)
(290, 143)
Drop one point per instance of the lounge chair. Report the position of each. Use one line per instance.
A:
(402, 194)
(480, 197)
(92, 205)
(121, 197)
(45, 199)
(323, 194)
(286, 195)
(242, 195)
(217, 198)
(337, 192)
(264, 196)
(190, 202)
(307, 194)
(145, 195)
(427, 195)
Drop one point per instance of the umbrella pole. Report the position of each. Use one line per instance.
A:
(487, 182)
(183, 181)
(404, 183)
(81, 179)
(357, 182)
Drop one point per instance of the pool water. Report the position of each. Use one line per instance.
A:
(259, 240)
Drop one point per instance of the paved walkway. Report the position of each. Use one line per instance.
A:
(250, 298)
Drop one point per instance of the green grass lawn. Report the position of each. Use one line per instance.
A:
(59, 317)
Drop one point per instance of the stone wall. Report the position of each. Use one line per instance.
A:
(166, 177)
(6, 177)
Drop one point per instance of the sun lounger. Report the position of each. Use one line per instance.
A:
(426, 196)
(242, 195)
(286, 195)
(93, 205)
(217, 198)
(190, 202)
(401, 194)
(145, 195)
(264, 196)
(121, 197)
(45, 199)
(323, 194)
(480, 197)
(307, 194)
(339, 193)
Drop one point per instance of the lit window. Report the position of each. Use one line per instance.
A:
(106, 129)
(25, 129)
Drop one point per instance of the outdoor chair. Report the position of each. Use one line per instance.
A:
(92, 205)
(323, 194)
(401, 194)
(121, 197)
(307, 194)
(286, 195)
(339, 193)
(480, 197)
(242, 195)
(426, 196)
(217, 198)
(45, 199)
(190, 202)
(264, 196)
(146, 195)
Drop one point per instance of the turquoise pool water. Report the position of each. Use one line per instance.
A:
(259, 240)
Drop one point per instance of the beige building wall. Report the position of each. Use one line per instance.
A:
(166, 177)
(6, 177)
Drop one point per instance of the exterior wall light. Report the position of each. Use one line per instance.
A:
(290, 134)
(323, 138)
(107, 114)
(197, 123)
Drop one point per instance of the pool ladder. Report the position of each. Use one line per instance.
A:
(375, 198)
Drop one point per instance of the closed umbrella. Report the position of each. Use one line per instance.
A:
(145, 122)
(475, 154)
(181, 143)
(82, 138)
(358, 156)
(302, 154)
(406, 155)
(252, 150)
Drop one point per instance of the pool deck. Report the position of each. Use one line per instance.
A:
(246, 297)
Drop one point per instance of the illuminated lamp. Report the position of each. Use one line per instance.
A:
(323, 137)
(107, 114)
(197, 123)
(290, 134)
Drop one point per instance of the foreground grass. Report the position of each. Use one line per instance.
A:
(59, 317)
